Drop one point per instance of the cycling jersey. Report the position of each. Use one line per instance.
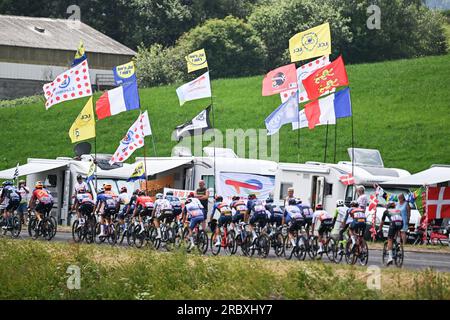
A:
(223, 208)
(293, 213)
(109, 203)
(176, 204)
(357, 214)
(240, 206)
(42, 196)
(11, 193)
(340, 214)
(83, 198)
(124, 198)
(163, 206)
(258, 207)
(145, 202)
(396, 221)
(321, 215)
(308, 213)
(194, 209)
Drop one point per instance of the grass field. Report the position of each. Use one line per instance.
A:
(38, 270)
(401, 108)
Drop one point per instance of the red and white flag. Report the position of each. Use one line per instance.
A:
(134, 139)
(73, 84)
(347, 179)
(279, 80)
(438, 202)
(373, 204)
(302, 73)
(326, 79)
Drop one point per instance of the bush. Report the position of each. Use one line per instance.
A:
(232, 47)
(408, 29)
(277, 21)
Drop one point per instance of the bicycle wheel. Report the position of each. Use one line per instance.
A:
(339, 252)
(77, 232)
(329, 249)
(263, 245)
(232, 243)
(215, 250)
(399, 254)
(350, 257)
(288, 248)
(31, 226)
(138, 236)
(246, 243)
(55, 225)
(112, 235)
(302, 248)
(278, 245)
(47, 228)
(313, 247)
(97, 238)
(16, 227)
(363, 256)
(89, 231)
(153, 233)
(170, 243)
(202, 242)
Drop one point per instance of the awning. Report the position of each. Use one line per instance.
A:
(30, 168)
(431, 176)
(154, 166)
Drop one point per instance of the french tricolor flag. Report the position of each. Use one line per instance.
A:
(326, 110)
(117, 100)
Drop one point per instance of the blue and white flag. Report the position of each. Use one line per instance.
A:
(286, 113)
(125, 73)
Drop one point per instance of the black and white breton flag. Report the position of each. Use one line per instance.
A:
(16, 172)
(200, 122)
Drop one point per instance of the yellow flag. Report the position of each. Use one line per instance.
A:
(196, 60)
(314, 42)
(84, 126)
(138, 173)
(80, 51)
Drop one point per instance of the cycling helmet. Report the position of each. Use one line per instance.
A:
(123, 189)
(319, 207)
(136, 192)
(39, 185)
(169, 193)
(21, 181)
(354, 204)
(101, 190)
(298, 200)
(159, 196)
(269, 200)
(7, 183)
(141, 193)
(340, 203)
(235, 198)
(219, 198)
(191, 195)
(79, 177)
(107, 187)
(292, 202)
(252, 196)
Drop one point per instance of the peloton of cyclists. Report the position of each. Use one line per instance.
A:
(10, 198)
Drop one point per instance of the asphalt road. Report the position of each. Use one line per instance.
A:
(412, 260)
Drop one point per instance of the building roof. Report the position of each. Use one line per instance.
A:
(59, 34)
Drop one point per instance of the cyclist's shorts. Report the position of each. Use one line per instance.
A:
(12, 205)
(394, 228)
(276, 218)
(144, 211)
(358, 226)
(169, 215)
(296, 224)
(325, 226)
(238, 217)
(223, 220)
(123, 213)
(44, 208)
(308, 221)
(196, 220)
(86, 208)
(259, 217)
(108, 212)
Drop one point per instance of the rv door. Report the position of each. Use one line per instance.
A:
(349, 194)
(319, 187)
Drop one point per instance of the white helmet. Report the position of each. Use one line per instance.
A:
(159, 196)
(340, 203)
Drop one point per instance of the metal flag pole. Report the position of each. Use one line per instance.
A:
(298, 137)
(145, 159)
(326, 145)
(95, 159)
(335, 141)
(353, 149)
(214, 128)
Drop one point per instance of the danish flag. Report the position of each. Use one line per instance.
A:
(347, 179)
(438, 202)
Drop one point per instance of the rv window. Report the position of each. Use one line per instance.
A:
(348, 195)
(328, 190)
(209, 182)
(51, 180)
(284, 189)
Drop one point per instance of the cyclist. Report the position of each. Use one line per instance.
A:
(83, 205)
(276, 214)
(41, 200)
(11, 199)
(338, 220)
(124, 200)
(162, 209)
(294, 218)
(358, 220)
(144, 207)
(326, 224)
(225, 216)
(251, 201)
(240, 209)
(24, 192)
(175, 203)
(257, 214)
(193, 211)
(396, 223)
(106, 205)
(307, 213)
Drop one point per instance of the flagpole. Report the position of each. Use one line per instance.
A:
(353, 149)
(335, 141)
(95, 161)
(214, 128)
(298, 137)
(326, 145)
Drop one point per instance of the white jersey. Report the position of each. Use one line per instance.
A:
(194, 209)
(320, 215)
(340, 214)
(82, 185)
(124, 198)
(162, 205)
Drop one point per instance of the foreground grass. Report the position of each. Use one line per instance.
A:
(400, 107)
(37, 270)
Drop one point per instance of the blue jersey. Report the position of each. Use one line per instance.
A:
(107, 199)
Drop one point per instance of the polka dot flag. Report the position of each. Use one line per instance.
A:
(73, 84)
(134, 139)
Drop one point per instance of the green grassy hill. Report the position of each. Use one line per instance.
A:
(401, 108)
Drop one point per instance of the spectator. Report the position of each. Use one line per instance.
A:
(202, 194)
(23, 191)
(362, 197)
(405, 210)
(290, 195)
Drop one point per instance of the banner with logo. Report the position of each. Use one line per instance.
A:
(311, 43)
(196, 60)
(83, 127)
(182, 194)
(125, 73)
(243, 184)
